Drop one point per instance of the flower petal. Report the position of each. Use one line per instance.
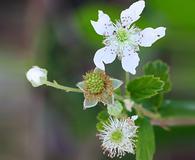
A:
(97, 70)
(134, 117)
(110, 53)
(98, 59)
(116, 83)
(104, 25)
(88, 103)
(81, 85)
(148, 36)
(132, 131)
(108, 99)
(130, 60)
(132, 14)
(106, 55)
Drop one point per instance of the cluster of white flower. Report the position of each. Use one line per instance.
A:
(122, 40)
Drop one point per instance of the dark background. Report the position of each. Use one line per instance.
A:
(48, 124)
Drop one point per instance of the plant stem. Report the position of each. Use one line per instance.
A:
(126, 79)
(127, 94)
(64, 88)
(120, 98)
(145, 112)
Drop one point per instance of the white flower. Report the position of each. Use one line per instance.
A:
(123, 39)
(37, 76)
(118, 136)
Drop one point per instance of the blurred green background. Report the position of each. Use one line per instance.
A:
(48, 124)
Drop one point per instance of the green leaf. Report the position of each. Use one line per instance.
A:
(159, 69)
(145, 146)
(154, 102)
(178, 109)
(145, 87)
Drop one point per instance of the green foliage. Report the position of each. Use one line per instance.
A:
(178, 109)
(145, 146)
(161, 70)
(102, 117)
(145, 87)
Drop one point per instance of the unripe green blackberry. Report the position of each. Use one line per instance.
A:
(94, 82)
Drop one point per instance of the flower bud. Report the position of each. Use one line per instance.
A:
(37, 76)
(115, 109)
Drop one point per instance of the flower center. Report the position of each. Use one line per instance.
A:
(94, 82)
(122, 34)
(117, 136)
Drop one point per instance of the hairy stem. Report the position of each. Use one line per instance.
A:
(64, 88)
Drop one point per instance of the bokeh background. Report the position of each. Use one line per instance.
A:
(48, 124)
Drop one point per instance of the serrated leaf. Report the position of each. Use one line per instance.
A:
(145, 87)
(145, 147)
(159, 69)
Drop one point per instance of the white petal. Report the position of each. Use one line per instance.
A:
(148, 36)
(108, 99)
(116, 83)
(81, 85)
(97, 70)
(130, 60)
(88, 103)
(98, 60)
(135, 117)
(109, 55)
(106, 55)
(132, 14)
(104, 25)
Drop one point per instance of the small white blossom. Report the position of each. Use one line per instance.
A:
(118, 136)
(37, 76)
(123, 39)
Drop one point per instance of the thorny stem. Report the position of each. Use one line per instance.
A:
(64, 88)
